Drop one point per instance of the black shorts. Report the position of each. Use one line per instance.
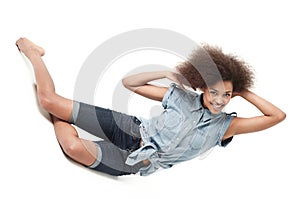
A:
(120, 134)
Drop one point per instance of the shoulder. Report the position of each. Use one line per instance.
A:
(175, 93)
(230, 120)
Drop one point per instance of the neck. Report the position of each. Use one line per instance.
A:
(202, 101)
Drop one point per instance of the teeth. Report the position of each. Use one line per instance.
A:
(217, 106)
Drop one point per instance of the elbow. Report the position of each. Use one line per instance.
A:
(280, 116)
(125, 83)
(283, 116)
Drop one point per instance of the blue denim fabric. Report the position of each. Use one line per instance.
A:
(182, 132)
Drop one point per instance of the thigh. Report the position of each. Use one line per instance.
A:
(116, 127)
(113, 160)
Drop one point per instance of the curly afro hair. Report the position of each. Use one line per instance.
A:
(208, 64)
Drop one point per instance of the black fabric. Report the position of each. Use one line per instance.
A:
(226, 141)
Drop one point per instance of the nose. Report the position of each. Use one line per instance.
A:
(219, 100)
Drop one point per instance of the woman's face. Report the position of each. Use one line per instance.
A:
(216, 97)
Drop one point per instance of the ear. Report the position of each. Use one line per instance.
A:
(202, 88)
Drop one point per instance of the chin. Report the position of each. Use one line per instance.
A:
(213, 111)
(216, 112)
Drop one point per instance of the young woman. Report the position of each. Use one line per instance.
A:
(190, 124)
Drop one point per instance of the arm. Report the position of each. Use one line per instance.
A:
(271, 116)
(139, 83)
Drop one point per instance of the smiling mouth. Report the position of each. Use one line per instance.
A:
(217, 107)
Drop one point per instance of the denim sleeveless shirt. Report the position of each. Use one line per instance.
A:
(182, 132)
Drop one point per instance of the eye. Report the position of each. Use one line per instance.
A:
(213, 93)
(227, 95)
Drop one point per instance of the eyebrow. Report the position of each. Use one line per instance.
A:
(219, 91)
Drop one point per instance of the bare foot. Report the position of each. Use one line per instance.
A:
(27, 47)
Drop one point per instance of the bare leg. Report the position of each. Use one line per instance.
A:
(80, 150)
(48, 99)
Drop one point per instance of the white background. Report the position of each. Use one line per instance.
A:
(260, 165)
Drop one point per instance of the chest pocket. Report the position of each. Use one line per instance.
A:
(168, 120)
(197, 141)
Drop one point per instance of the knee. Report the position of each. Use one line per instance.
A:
(73, 149)
(45, 99)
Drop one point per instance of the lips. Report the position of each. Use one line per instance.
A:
(217, 107)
